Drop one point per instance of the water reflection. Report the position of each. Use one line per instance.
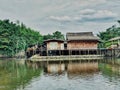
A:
(110, 67)
(55, 68)
(28, 75)
(15, 75)
(79, 68)
(71, 67)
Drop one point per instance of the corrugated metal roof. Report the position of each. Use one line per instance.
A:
(116, 38)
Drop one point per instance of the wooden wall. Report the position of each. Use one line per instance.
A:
(82, 45)
(55, 45)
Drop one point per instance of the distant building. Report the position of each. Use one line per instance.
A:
(82, 40)
(114, 42)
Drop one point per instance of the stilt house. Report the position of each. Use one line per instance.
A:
(81, 40)
(54, 44)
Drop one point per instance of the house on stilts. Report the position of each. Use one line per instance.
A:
(53, 46)
(81, 43)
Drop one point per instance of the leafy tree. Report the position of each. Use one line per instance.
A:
(15, 37)
(46, 37)
(55, 35)
(109, 33)
(58, 35)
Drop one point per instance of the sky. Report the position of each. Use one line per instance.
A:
(48, 16)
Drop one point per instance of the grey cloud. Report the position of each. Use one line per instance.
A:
(87, 14)
(65, 15)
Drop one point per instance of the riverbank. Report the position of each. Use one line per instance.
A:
(20, 55)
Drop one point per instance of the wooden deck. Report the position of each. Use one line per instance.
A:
(66, 58)
(80, 52)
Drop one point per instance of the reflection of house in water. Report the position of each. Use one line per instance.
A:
(72, 68)
(55, 68)
(34, 65)
(76, 69)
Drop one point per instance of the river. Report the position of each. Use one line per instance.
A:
(77, 75)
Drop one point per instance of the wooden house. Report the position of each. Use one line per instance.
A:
(54, 44)
(81, 40)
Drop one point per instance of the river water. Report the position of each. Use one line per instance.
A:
(77, 75)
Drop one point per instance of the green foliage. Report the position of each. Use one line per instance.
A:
(55, 35)
(15, 37)
(108, 34)
(58, 35)
(46, 37)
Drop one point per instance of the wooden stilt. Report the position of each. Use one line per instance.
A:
(88, 51)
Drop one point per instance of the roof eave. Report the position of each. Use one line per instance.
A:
(84, 40)
(53, 40)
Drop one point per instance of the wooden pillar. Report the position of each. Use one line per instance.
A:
(88, 51)
(29, 53)
(47, 63)
(47, 52)
(69, 51)
(79, 52)
(59, 53)
(33, 52)
(39, 51)
(114, 53)
(99, 51)
(105, 52)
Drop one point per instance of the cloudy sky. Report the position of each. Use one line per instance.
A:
(48, 16)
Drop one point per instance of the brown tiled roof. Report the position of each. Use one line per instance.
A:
(81, 36)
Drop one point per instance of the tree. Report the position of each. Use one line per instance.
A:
(48, 36)
(15, 37)
(109, 33)
(118, 21)
(58, 35)
(55, 35)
